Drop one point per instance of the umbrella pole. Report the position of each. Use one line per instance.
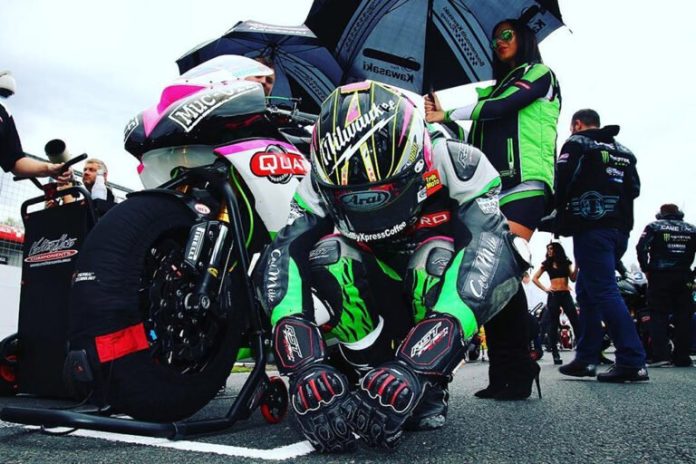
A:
(427, 81)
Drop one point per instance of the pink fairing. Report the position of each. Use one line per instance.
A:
(141, 168)
(172, 94)
(259, 144)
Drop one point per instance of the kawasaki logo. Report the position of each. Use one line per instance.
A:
(368, 199)
(374, 69)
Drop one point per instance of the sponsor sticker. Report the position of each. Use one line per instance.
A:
(292, 345)
(429, 340)
(278, 167)
(201, 209)
(432, 182)
(433, 220)
(130, 127)
(49, 252)
(84, 277)
(340, 141)
(192, 111)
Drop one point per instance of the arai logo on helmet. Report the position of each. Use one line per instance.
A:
(365, 200)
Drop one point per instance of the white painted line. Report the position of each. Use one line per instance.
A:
(275, 454)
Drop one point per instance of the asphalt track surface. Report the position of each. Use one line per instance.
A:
(577, 421)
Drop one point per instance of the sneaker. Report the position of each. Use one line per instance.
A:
(663, 363)
(578, 369)
(621, 374)
(604, 360)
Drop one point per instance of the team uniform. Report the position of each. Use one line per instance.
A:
(666, 252)
(514, 124)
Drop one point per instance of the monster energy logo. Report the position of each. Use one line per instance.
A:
(605, 157)
(666, 237)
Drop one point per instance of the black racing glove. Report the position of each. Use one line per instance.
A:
(389, 394)
(319, 394)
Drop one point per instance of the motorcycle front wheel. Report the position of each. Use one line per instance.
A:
(151, 357)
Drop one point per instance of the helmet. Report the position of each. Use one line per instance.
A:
(8, 86)
(370, 153)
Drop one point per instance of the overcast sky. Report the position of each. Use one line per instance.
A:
(85, 67)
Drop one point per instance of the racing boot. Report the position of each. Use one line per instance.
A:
(431, 412)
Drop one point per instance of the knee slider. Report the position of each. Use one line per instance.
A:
(298, 344)
(435, 346)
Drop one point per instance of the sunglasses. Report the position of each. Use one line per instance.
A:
(506, 36)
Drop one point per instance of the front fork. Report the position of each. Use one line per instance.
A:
(207, 254)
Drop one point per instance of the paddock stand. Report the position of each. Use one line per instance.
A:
(270, 394)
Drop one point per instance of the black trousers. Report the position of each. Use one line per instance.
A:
(668, 294)
(555, 302)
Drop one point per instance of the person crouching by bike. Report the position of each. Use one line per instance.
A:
(560, 269)
(421, 259)
(666, 252)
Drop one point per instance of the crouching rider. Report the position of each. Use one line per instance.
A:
(422, 257)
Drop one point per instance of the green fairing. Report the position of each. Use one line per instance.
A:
(291, 303)
(450, 303)
(355, 323)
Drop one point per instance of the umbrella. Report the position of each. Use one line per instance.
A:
(421, 45)
(303, 67)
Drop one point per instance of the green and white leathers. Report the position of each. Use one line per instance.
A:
(515, 124)
(484, 270)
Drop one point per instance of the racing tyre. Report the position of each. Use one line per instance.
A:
(149, 356)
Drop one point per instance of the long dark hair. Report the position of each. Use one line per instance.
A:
(527, 48)
(559, 257)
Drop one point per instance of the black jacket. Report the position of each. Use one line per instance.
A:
(668, 244)
(596, 183)
(10, 146)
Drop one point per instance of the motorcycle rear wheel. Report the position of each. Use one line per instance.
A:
(129, 281)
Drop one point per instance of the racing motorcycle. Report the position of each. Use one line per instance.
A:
(161, 299)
